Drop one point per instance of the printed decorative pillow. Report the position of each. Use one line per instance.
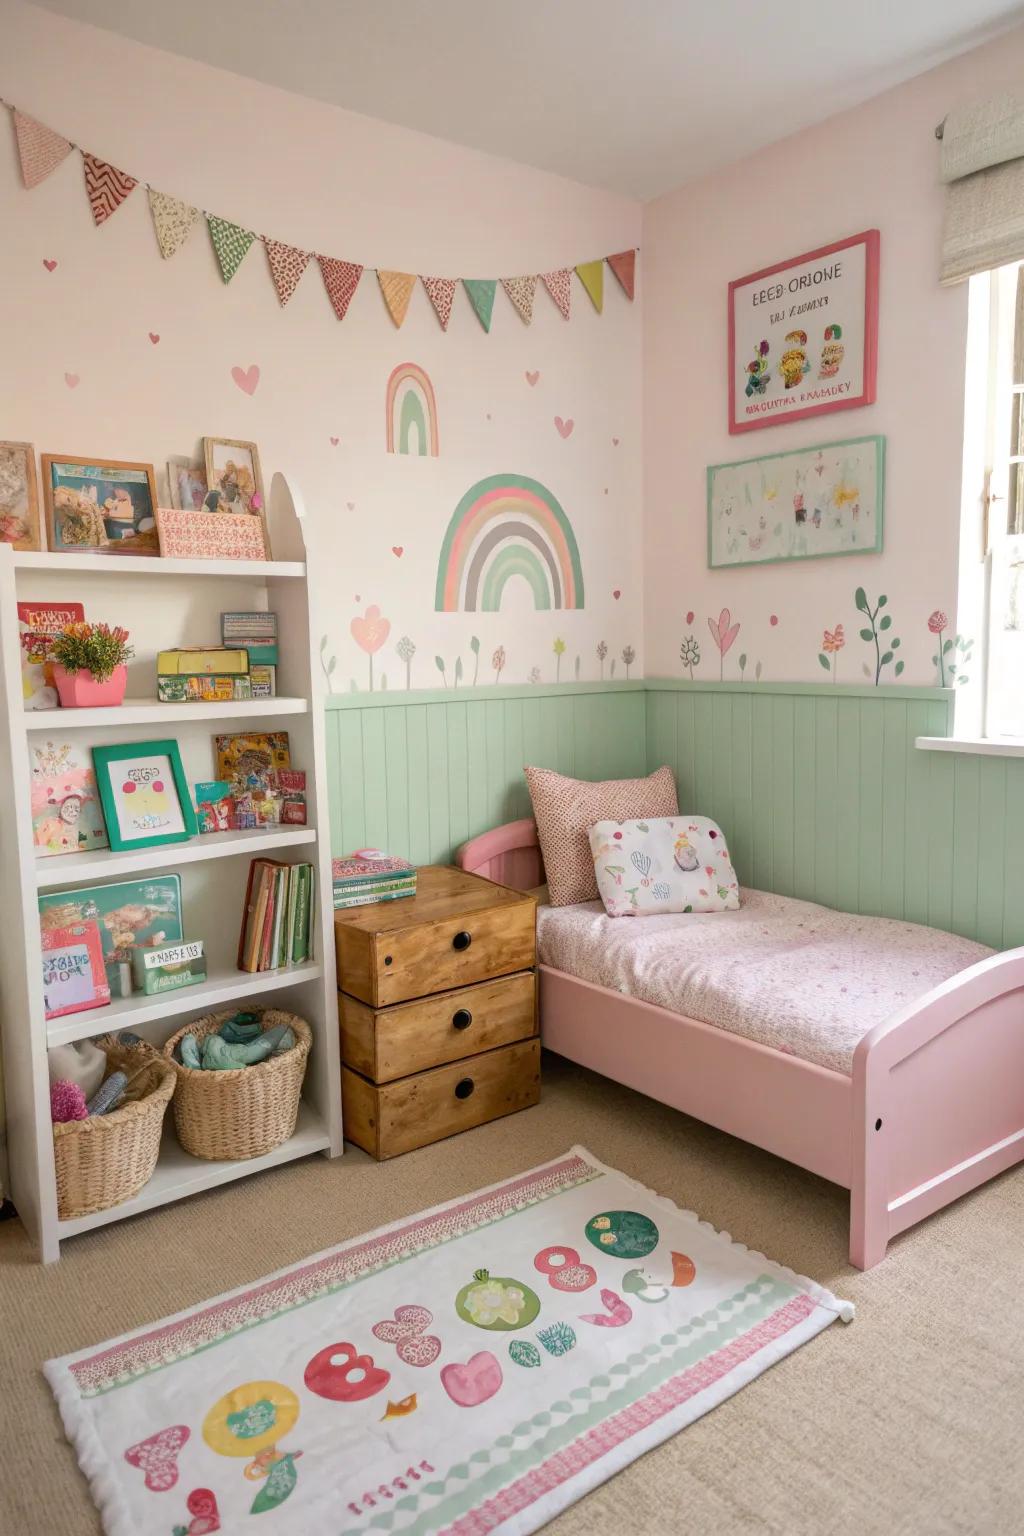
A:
(565, 809)
(673, 864)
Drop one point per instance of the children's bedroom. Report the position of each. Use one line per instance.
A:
(512, 691)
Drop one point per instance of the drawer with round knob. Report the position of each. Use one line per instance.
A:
(386, 1119)
(385, 1043)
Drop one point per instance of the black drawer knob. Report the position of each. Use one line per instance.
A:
(462, 940)
(464, 1087)
(462, 1019)
(388, 959)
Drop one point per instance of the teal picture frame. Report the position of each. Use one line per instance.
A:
(105, 759)
(830, 502)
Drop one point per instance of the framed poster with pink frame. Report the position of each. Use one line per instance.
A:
(803, 335)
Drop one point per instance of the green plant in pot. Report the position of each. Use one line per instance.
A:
(89, 664)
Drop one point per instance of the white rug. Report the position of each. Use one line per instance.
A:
(581, 1318)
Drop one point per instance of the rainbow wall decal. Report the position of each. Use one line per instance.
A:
(411, 412)
(505, 526)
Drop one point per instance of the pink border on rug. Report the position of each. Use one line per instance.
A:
(132, 1357)
(604, 1437)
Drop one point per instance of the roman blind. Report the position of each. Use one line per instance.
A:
(983, 170)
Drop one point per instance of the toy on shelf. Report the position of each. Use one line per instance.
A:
(79, 1061)
(109, 1095)
(67, 1102)
(238, 1042)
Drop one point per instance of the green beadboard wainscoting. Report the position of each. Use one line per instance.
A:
(819, 788)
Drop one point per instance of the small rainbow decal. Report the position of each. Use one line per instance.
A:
(411, 412)
(506, 526)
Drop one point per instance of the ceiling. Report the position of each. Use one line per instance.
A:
(632, 95)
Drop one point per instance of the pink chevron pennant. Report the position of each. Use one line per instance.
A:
(40, 150)
(107, 187)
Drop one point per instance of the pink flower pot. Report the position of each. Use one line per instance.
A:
(79, 690)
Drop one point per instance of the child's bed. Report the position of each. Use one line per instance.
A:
(805, 1057)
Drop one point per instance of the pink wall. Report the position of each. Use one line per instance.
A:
(353, 187)
(873, 167)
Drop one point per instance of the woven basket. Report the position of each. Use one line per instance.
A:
(237, 1114)
(108, 1158)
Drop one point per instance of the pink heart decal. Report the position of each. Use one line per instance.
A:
(564, 428)
(72, 380)
(246, 378)
(773, 620)
(615, 442)
(335, 441)
(689, 616)
(398, 550)
(154, 337)
(531, 378)
(157, 1456)
(617, 593)
(351, 506)
(473, 1383)
(49, 265)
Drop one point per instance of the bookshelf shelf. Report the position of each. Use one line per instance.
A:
(106, 864)
(163, 604)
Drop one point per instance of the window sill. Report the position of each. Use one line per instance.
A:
(995, 746)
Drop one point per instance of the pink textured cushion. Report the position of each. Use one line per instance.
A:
(565, 809)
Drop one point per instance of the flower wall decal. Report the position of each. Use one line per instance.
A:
(723, 633)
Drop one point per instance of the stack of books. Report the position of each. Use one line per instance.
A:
(277, 923)
(370, 875)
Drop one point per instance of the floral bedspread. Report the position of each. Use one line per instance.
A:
(790, 974)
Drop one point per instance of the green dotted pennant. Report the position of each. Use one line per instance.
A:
(230, 243)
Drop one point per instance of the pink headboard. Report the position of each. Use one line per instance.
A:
(509, 855)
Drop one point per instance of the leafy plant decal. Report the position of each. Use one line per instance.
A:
(611, 669)
(439, 664)
(328, 663)
(951, 666)
(757, 673)
(474, 645)
(743, 664)
(723, 633)
(498, 662)
(628, 656)
(406, 651)
(576, 669)
(955, 669)
(602, 652)
(534, 675)
(878, 635)
(689, 654)
(832, 643)
(458, 670)
(559, 650)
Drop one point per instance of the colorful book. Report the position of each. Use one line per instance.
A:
(303, 913)
(38, 623)
(378, 888)
(66, 812)
(368, 898)
(369, 864)
(74, 975)
(131, 915)
(257, 632)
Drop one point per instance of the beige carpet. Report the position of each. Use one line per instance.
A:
(907, 1421)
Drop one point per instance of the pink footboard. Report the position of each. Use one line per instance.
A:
(934, 1107)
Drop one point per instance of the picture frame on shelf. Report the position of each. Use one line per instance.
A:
(144, 794)
(66, 812)
(235, 481)
(19, 496)
(186, 484)
(99, 506)
(803, 504)
(803, 335)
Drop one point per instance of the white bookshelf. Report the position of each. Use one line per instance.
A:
(163, 603)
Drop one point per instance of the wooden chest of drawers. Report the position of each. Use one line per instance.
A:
(438, 1012)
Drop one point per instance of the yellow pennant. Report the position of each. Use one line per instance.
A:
(397, 290)
(591, 275)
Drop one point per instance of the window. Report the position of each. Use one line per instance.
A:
(998, 556)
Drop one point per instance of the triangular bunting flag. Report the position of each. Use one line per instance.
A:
(521, 290)
(591, 275)
(624, 267)
(107, 187)
(40, 150)
(287, 264)
(230, 243)
(558, 284)
(481, 292)
(173, 221)
(441, 292)
(397, 290)
(341, 279)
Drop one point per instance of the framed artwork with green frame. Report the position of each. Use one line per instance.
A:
(144, 794)
(800, 505)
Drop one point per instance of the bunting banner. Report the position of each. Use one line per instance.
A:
(481, 291)
(397, 290)
(230, 243)
(341, 279)
(441, 292)
(559, 285)
(107, 187)
(521, 291)
(591, 275)
(624, 267)
(173, 222)
(40, 150)
(287, 264)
